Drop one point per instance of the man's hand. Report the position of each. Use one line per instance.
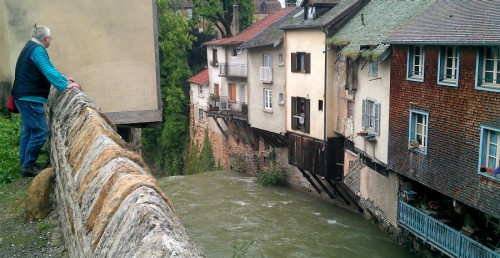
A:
(73, 85)
(70, 80)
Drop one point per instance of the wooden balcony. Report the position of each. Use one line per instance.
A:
(448, 240)
(225, 108)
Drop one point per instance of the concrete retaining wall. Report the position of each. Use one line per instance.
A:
(108, 202)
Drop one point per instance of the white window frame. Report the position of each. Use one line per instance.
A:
(267, 60)
(268, 104)
(448, 62)
(482, 68)
(281, 99)
(201, 115)
(489, 150)
(416, 59)
(370, 116)
(200, 91)
(419, 128)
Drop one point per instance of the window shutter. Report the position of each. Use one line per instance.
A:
(377, 118)
(293, 112)
(442, 63)
(307, 115)
(307, 62)
(294, 62)
(409, 68)
(364, 116)
(479, 65)
(349, 80)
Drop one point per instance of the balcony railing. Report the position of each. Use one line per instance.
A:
(233, 70)
(266, 74)
(224, 104)
(440, 235)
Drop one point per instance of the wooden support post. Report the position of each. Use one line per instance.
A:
(310, 181)
(220, 128)
(338, 192)
(323, 186)
(240, 127)
(235, 136)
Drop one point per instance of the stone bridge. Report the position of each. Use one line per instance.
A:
(109, 204)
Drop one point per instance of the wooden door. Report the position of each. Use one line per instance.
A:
(232, 92)
(216, 90)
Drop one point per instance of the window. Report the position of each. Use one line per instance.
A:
(268, 104)
(263, 7)
(416, 60)
(282, 99)
(371, 116)
(301, 62)
(448, 66)
(300, 114)
(201, 115)
(200, 91)
(320, 105)
(488, 69)
(214, 61)
(489, 160)
(373, 69)
(234, 52)
(419, 123)
(281, 62)
(266, 72)
(267, 60)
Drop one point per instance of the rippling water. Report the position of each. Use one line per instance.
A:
(225, 210)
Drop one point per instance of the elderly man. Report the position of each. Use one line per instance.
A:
(34, 75)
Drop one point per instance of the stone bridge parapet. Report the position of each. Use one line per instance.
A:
(108, 202)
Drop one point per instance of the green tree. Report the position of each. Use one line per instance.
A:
(219, 13)
(164, 148)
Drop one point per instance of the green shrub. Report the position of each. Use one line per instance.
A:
(10, 131)
(272, 176)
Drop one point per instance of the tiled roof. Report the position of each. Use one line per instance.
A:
(200, 78)
(456, 22)
(342, 9)
(250, 32)
(373, 23)
(273, 35)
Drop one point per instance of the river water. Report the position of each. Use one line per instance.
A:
(228, 213)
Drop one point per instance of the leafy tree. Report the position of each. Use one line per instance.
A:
(219, 13)
(164, 148)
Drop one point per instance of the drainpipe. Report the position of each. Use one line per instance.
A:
(324, 89)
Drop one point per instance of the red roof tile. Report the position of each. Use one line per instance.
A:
(200, 78)
(253, 30)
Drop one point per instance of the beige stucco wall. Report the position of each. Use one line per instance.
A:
(381, 191)
(310, 86)
(269, 120)
(377, 90)
(107, 46)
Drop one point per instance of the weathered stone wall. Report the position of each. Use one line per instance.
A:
(108, 202)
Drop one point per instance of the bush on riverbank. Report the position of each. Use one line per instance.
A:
(272, 176)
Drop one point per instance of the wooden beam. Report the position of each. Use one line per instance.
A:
(235, 137)
(310, 181)
(220, 128)
(323, 186)
(240, 126)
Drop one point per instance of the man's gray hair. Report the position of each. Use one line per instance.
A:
(40, 32)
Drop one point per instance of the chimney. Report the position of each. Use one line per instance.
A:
(236, 18)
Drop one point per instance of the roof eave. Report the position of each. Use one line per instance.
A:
(442, 43)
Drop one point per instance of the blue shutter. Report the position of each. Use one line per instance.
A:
(364, 116)
(479, 66)
(377, 118)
